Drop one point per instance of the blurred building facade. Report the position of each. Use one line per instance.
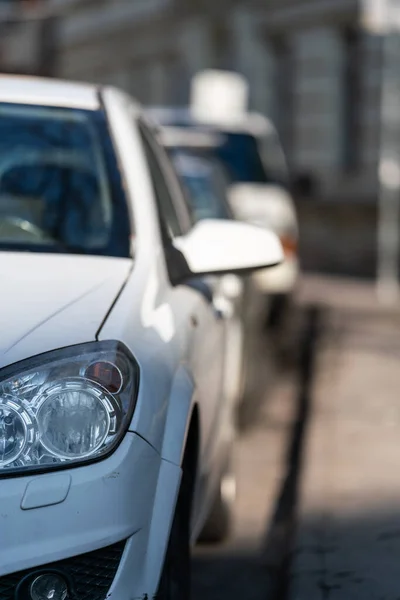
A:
(314, 67)
(27, 37)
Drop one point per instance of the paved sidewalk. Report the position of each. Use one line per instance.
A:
(237, 569)
(348, 538)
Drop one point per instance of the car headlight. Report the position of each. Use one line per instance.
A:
(65, 407)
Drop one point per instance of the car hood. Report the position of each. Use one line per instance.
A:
(49, 301)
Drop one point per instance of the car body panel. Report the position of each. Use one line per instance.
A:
(272, 207)
(145, 555)
(174, 318)
(268, 204)
(192, 154)
(265, 205)
(96, 513)
(281, 279)
(81, 523)
(47, 92)
(65, 297)
(151, 315)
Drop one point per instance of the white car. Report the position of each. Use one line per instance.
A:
(206, 185)
(115, 436)
(260, 194)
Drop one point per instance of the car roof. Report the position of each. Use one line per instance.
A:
(252, 122)
(184, 137)
(48, 92)
(171, 115)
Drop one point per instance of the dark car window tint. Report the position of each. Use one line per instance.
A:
(165, 203)
(60, 188)
(204, 182)
(241, 155)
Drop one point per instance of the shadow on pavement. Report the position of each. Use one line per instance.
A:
(280, 535)
(348, 540)
(350, 557)
(254, 573)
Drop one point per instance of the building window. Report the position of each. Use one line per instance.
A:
(351, 98)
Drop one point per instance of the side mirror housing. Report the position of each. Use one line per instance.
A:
(218, 247)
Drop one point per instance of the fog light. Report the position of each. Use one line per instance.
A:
(49, 587)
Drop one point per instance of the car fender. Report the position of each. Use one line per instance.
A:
(180, 408)
(160, 526)
(179, 412)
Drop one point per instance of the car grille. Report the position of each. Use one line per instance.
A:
(91, 574)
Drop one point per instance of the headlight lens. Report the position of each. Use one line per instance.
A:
(65, 407)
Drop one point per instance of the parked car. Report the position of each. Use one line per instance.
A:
(114, 429)
(251, 151)
(206, 183)
(262, 196)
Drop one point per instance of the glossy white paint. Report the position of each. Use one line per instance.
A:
(46, 92)
(219, 96)
(221, 246)
(232, 287)
(265, 205)
(181, 137)
(54, 300)
(75, 526)
(278, 280)
(178, 339)
(270, 207)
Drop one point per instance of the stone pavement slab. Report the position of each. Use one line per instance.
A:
(348, 538)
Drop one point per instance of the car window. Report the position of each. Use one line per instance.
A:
(255, 159)
(204, 181)
(241, 155)
(172, 219)
(60, 188)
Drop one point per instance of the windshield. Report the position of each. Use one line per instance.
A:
(253, 160)
(204, 181)
(60, 188)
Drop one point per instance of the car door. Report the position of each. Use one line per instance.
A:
(205, 183)
(206, 329)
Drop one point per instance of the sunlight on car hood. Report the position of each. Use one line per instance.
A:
(50, 301)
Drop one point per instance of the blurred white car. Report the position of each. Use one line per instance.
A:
(206, 184)
(251, 150)
(254, 156)
(115, 431)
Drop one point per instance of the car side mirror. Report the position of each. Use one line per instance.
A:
(218, 247)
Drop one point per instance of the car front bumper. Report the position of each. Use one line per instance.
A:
(121, 507)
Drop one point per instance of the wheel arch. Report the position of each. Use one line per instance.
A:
(182, 427)
(192, 450)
